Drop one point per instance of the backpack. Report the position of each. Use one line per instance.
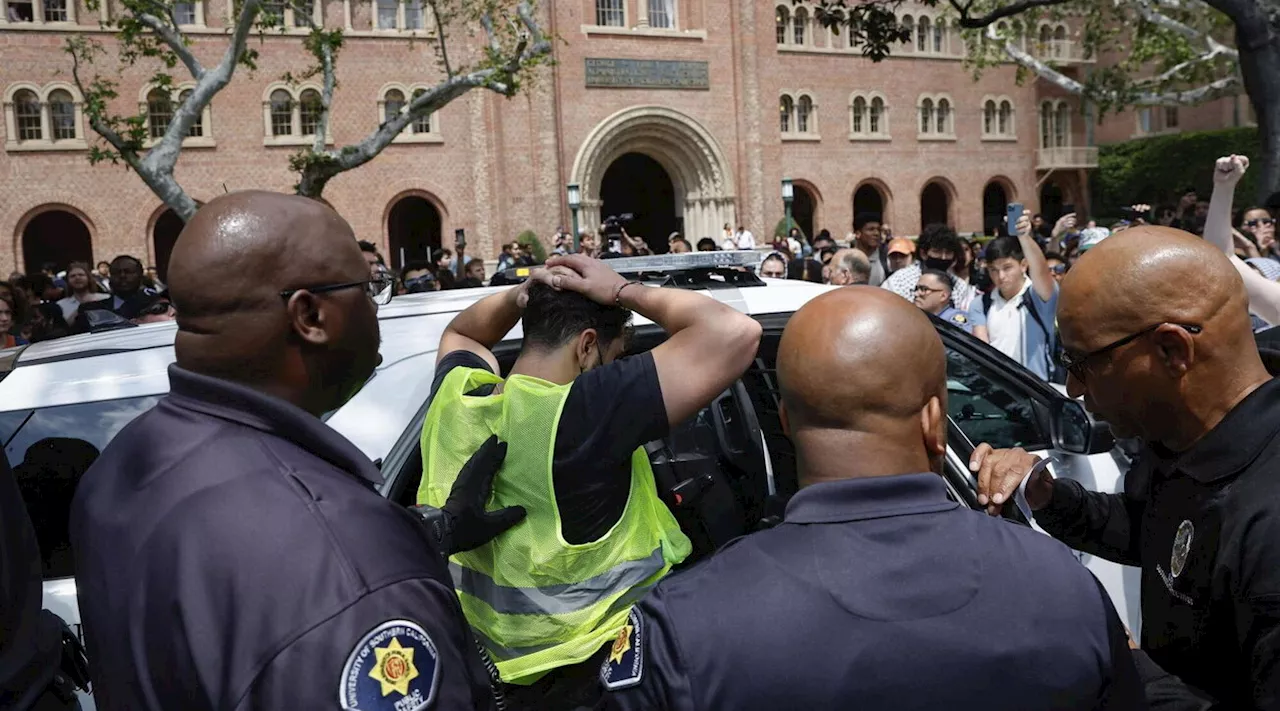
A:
(1053, 346)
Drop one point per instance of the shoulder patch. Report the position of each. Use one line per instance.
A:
(624, 666)
(395, 667)
(960, 318)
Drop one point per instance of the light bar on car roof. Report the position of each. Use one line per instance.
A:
(689, 260)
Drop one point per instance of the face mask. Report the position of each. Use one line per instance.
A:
(939, 264)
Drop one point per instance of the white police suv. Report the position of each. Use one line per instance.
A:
(726, 472)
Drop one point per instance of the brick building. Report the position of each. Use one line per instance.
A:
(759, 92)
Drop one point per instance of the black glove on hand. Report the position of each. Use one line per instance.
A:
(464, 523)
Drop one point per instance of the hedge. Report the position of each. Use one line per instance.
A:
(1156, 170)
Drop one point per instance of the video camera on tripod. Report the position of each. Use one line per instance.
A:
(612, 229)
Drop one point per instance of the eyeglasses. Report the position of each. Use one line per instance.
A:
(922, 289)
(1075, 364)
(1058, 269)
(378, 288)
(1266, 221)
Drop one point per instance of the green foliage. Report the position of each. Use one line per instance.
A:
(780, 229)
(530, 238)
(1157, 169)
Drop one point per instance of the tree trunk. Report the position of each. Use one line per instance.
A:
(1260, 68)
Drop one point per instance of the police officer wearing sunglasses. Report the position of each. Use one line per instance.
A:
(1157, 340)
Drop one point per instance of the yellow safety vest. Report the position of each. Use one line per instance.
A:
(535, 601)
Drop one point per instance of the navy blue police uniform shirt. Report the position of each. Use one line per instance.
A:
(233, 554)
(1204, 526)
(877, 593)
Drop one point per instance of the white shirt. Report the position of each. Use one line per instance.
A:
(740, 240)
(1005, 322)
(70, 305)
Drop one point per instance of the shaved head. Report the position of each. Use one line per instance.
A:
(227, 272)
(862, 367)
(1176, 284)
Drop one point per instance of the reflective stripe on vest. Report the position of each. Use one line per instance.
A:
(504, 653)
(556, 599)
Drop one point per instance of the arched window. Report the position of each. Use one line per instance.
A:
(1059, 41)
(800, 23)
(393, 104)
(859, 114)
(874, 118)
(804, 108)
(783, 20)
(922, 36)
(1046, 124)
(281, 113)
(785, 109)
(159, 111)
(1046, 35)
(909, 26)
(197, 126)
(62, 115)
(944, 116)
(926, 116)
(1006, 118)
(939, 36)
(309, 109)
(1062, 125)
(1002, 31)
(988, 117)
(422, 124)
(26, 109)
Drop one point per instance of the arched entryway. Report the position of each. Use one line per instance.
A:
(163, 236)
(413, 230)
(995, 201)
(803, 209)
(935, 205)
(702, 196)
(868, 198)
(1051, 201)
(55, 236)
(638, 185)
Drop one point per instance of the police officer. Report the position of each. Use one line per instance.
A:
(877, 591)
(933, 294)
(231, 549)
(31, 639)
(1157, 339)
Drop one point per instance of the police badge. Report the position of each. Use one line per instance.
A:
(1181, 547)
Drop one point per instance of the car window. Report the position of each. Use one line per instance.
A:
(50, 449)
(988, 406)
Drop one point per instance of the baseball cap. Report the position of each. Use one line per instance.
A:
(901, 245)
(1092, 236)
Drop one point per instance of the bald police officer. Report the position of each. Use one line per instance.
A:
(877, 591)
(232, 551)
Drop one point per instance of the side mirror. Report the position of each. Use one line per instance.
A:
(1073, 430)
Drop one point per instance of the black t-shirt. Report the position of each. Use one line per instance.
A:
(610, 411)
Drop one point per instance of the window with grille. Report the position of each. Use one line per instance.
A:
(804, 108)
(185, 12)
(611, 13)
(387, 11)
(392, 105)
(26, 110)
(662, 14)
(782, 19)
(62, 115)
(988, 117)
(1062, 126)
(413, 16)
(55, 10)
(197, 126)
(422, 124)
(944, 116)
(281, 113)
(799, 25)
(785, 108)
(859, 112)
(303, 13)
(926, 116)
(1006, 118)
(1171, 117)
(159, 112)
(873, 119)
(922, 36)
(939, 36)
(309, 112)
(275, 9)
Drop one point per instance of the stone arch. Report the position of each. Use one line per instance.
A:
(390, 245)
(692, 158)
(937, 202)
(881, 190)
(810, 224)
(19, 253)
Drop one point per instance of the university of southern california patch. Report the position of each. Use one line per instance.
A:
(625, 664)
(395, 667)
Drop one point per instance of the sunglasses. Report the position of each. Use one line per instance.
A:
(1076, 364)
(1266, 221)
(1058, 269)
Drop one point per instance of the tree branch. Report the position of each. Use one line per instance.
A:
(328, 72)
(170, 37)
(999, 13)
(486, 21)
(444, 49)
